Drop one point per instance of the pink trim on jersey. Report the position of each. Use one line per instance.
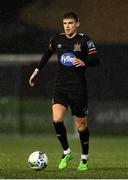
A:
(91, 52)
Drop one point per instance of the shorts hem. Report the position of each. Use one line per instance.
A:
(66, 106)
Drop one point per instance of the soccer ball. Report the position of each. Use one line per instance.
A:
(38, 160)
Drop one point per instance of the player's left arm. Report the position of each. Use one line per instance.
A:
(92, 55)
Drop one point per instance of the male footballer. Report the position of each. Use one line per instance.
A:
(76, 52)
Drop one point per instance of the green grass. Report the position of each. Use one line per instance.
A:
(108, 157)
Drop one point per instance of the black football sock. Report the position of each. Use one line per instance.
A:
(61, 134)
(84, 139)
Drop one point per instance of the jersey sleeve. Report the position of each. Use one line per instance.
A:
(51, 45)
(92, 55)
(47, 54)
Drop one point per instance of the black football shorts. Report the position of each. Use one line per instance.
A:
(77, 100)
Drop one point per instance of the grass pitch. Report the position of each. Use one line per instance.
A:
(108, 158)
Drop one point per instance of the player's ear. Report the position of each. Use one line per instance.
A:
(77, 24)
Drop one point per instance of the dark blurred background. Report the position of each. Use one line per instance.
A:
(25, 29)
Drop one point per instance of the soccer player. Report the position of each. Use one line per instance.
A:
(76, 52)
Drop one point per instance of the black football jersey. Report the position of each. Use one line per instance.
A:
(80, 46)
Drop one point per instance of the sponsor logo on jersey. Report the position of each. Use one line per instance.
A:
(90, 45)
(91, 48)
(81, 34)
(59, 46)
(77, 47)
(67, 58)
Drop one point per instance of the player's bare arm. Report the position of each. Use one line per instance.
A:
(42, 63)
(32, 77)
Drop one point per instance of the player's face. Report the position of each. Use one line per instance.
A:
(70, 27)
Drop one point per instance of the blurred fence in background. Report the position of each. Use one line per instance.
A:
(25, 110)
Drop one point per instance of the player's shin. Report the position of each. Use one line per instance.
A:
(84, 139)
(62, 135)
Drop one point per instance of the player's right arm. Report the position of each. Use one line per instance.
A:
(43, 62)
(33, 77)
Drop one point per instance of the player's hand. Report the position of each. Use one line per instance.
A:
(32, 77)
(78, 63)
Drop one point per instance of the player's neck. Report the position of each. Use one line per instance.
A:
(70, 36)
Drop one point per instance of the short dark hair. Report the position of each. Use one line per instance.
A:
(71, 15)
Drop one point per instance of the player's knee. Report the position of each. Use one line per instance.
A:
(58, 113)
(57, 119)
(81, 124)
(81, 128)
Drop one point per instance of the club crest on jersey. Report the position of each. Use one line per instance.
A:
(77, 47)
(67, 58)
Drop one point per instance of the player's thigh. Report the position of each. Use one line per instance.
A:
(59, 105)
(58, 112)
